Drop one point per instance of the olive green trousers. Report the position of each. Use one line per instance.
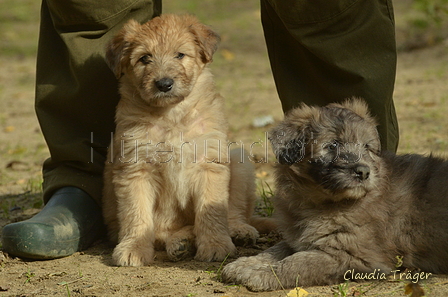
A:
(325, 51)
(76, 92)
(320, 52)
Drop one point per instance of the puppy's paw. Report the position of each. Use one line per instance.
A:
(132, 255)
(180, 249)
(211, 251)
(243, 234)
(250, 273)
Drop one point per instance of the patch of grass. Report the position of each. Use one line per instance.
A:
(341, 290)
(208, 9)
(432, 11)
(31, 197)
(68, 290)
(33, 185)
(5, 206)
(29, 275)
(212, 269)
(265, 207)
(19, 27)
(32, 193)
(221, 266)
(426, 23)
(80, 274)
(278, 280)
(106, 281)
(17, 150)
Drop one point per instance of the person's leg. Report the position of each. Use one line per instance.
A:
(325, 51)
(76, 95)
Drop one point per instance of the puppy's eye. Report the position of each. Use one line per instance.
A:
(332, 146)
(373, 148)
(180, 56)
(146, 59)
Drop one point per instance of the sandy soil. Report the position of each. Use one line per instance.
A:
(243, 76)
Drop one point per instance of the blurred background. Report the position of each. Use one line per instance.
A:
(243, 76)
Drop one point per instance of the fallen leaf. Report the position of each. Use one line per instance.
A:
(9, 129)
(429, 104)
(297, 292)
(21, 181)
(414, 289)
(227, 55)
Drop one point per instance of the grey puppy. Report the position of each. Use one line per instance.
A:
(346, 210)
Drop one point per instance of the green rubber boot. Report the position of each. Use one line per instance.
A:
(71, 221)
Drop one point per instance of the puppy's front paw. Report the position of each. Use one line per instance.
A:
(243, 234)
(212, 251)
(180, 249)
(238, 271)
(248, 272)
(126, 254)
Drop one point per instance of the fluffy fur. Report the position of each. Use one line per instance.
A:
(169, 181)
(343, 205)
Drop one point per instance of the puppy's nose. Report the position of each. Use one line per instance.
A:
(362, 172)
(165, 84)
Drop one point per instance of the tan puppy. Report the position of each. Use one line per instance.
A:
(168, 177)
(345, 209)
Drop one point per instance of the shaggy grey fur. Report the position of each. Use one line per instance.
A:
(343, 205)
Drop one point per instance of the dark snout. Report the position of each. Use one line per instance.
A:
(165, 84)
(362, 172)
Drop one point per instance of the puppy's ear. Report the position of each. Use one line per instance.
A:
(360, 107)
(206, 39)
(118, 49)
(290, 137)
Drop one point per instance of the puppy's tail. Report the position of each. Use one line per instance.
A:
(264, 225)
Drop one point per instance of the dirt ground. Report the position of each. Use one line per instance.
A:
(243, 76)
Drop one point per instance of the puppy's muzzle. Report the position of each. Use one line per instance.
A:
(361, 171)
(165, 84)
